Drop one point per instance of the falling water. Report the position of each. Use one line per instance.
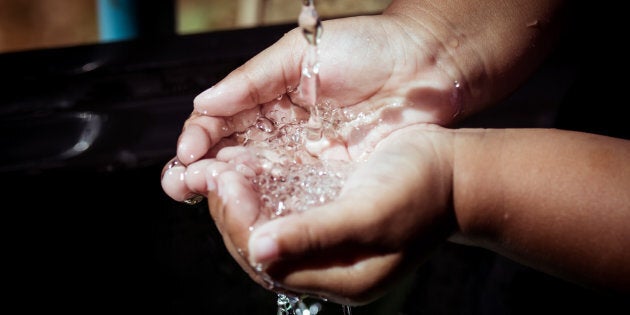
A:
(322, 182)
(292, 179)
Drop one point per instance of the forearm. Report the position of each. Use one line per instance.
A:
(489, 47)
(555, 200)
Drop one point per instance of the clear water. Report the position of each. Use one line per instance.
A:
(293, 180)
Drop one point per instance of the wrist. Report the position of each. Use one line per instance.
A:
(487, 48)
(452, 51)
(475, 184)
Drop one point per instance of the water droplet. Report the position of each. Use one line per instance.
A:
(193, 199)
(174, 162)
(290, 178)
(270, 284)
(265, 125)
(280, 208)
(534, 23)
(453, 42)
(456, 99)
(315, 308)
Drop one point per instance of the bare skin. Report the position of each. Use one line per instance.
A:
(552, 199)
(441, 61)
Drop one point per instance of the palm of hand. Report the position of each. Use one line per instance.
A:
(382, 89)
(365, 67)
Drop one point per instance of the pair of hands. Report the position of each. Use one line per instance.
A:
(394, 208)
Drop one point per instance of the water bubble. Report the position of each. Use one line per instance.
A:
(265, 125)
(348, 114)
(303, 187)
(288, 178)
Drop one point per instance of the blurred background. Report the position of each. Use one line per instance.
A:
(54, 23)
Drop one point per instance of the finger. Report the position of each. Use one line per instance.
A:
(354, 284)
(259, 80)
(311, 231)
(200, 177)
(244, 159)
(238, 208)
(173, 181)
(217, 210)
(200, 133)
(313, 250)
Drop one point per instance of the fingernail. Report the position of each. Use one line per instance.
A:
(263, 249)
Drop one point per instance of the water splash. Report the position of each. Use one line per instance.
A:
(292, 178)
(292, 305)
(300, 186)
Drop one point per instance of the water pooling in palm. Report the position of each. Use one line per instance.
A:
(293, 177)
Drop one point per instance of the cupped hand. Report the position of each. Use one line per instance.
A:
(377, 89)
(391, 213)
(369, 63)
(394, 208)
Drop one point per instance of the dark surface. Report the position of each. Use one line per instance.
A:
(92, 232)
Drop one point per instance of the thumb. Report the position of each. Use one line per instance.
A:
(258, 81)
(305, 233)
